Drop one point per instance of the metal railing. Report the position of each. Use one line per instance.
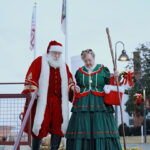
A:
(11, 126)
(27, 115)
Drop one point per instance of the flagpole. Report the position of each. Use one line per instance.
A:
(66, 34)
(35, 32)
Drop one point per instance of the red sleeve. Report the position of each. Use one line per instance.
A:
(32, 76)
(70, 83)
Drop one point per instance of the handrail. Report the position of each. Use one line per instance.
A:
(13, 83)
(2, 83)
(5, 83)
(25, 121)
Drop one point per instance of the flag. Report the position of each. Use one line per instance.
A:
(63, 17)
(32, 41)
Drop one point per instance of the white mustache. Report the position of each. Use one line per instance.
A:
(54, 62)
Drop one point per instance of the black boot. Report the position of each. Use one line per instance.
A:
(36, 143)
(55, 142)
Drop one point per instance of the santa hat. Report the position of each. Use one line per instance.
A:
(111, 93)
(54, 46)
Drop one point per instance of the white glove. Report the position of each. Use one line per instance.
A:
(32, 93)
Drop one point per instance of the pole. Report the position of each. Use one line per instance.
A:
(66, 33)
(35, 32)
(116, 107)
(142, 134)
(115, 69)
(144, 94)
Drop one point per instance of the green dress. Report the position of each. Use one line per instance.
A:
(92, 125)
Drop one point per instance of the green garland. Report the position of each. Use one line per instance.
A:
(131, 107)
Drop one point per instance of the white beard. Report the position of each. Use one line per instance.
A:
(54, 63)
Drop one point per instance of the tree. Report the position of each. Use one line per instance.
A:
(143, 82)
(131, 107)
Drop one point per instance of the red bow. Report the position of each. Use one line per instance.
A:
(128, 78)
(138, 98)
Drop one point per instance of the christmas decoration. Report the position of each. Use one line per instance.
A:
(128, 77)
(135, 103)
(138, 98)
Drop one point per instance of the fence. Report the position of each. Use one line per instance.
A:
(11, 108)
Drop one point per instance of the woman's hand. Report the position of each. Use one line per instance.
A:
(76, 89)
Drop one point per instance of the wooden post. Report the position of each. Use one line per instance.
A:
(115, 69)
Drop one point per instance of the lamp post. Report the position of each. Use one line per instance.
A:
(122, 57)
(144, 96)
(142, 87)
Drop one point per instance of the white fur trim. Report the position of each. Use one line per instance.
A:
(108, 88)
(65, 99)
(43, 91)
(42, 100)
(56, 49)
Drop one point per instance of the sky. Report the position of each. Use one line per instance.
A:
(128, 21)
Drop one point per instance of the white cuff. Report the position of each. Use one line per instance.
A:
(109, 88)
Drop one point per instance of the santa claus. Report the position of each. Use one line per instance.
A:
(51, 77)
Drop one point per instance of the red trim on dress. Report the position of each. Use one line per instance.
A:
(80, 95)
(93, 73)
(96, 93)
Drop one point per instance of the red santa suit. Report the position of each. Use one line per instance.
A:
(50, 112)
